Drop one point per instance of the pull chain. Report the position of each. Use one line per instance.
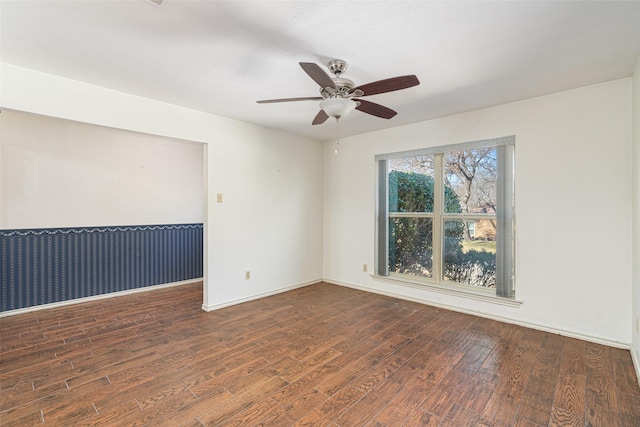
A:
(337, 140)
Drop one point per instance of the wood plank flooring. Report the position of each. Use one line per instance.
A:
(321, 355)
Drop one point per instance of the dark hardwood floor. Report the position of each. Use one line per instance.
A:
(320, 355)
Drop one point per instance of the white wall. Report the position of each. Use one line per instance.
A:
(636, 218)
(573, 210)
(62, 173)
(271, 219)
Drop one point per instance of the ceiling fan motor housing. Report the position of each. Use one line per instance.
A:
(343, 86)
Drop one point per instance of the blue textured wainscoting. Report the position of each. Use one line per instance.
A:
(42, 266)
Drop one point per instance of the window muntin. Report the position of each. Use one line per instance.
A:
(448, 215)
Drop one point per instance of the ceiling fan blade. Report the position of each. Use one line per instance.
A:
(308, 98)
(320, 118)
(388, 85)
(375, 109)
(317, 74)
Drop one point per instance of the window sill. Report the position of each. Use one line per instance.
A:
(455, 290)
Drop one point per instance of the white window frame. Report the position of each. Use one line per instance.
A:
(505, 219)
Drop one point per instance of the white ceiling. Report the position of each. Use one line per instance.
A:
(222, 56)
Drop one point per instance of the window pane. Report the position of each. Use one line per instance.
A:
(411, 184)
(470, 181)
(470, 261)
(411, 246)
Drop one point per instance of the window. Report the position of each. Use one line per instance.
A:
(446, 215)
(471, 225)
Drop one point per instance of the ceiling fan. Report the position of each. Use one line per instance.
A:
(340, 96)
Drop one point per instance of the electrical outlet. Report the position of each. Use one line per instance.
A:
(219, 197)
(247, 275)
(364, 267)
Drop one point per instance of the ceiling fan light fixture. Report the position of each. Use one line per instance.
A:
(338, 107)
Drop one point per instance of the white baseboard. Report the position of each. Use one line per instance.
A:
(258, 296)
(96, 297)
(571, 334)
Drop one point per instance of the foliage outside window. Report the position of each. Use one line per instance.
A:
(445, 215)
